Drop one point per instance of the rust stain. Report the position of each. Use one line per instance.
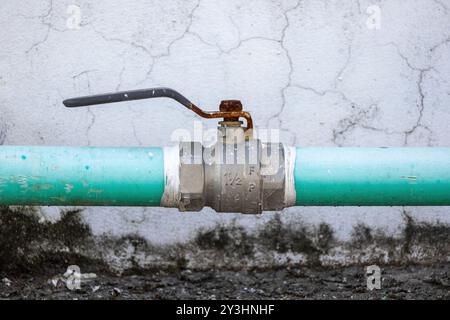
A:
(229, 110)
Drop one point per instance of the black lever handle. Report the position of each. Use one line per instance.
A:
(128, 96)
(230, 112)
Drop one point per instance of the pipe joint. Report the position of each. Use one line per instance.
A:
(236, 174)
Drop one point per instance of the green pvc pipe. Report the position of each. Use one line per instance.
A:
(372, 176)
(135, 176)
(81, 176)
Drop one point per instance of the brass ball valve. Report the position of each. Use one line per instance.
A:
(236, 174)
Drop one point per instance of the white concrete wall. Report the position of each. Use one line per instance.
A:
(327, 73)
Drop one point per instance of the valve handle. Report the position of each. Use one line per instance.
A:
(227, 113)
(127, 96)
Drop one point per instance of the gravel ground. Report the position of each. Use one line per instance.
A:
(398, 282)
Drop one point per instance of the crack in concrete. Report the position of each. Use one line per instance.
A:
(349, 123)
(185, 32)
(358, 5)
(147, 51)
(354, 120)
(237, 46)
(88, 108)
(131, 44)
(142, 47)
(440, 44)
(133, 126)
(119, 40)
(216, 45)
(290, 72)
(421, 95)
(90, 125)
(421, 107)
(119, 83)
(442, 5)
(346, 63)
(3, 133)
(42, 18)
(240, 40)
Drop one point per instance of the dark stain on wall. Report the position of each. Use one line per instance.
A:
(231, 240)
(435, 234)
(430, 239)
(296, 238)
(28, 245)
(275, 236)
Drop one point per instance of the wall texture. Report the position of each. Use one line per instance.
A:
(326, 73)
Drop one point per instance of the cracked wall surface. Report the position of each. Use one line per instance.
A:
(317, 70)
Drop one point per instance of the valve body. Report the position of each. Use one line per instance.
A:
(235, 174)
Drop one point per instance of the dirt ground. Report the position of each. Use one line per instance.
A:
(398, 282)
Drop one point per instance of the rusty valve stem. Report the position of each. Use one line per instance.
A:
(229, 110)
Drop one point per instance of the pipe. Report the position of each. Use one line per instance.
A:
(81, 176)
(372, 176)
(98, 176)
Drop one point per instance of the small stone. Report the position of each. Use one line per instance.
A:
(95, 288)
(54, 282)
(6, 282)
(88, 276)
(116, 292)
